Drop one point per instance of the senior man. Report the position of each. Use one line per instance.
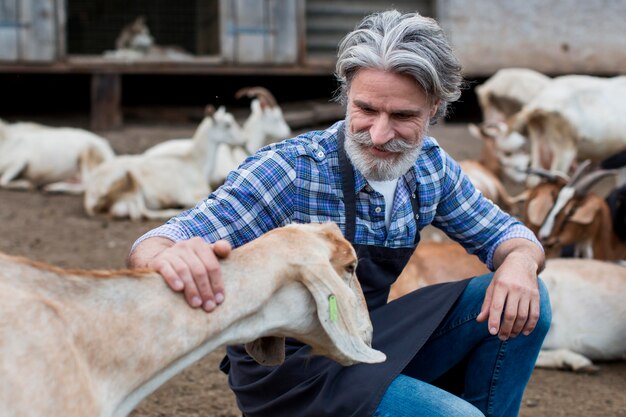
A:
(382, 179)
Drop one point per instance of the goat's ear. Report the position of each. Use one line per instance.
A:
(256, 106)
(586, 212)
(268, 351)
(342, 326)
(538, 210)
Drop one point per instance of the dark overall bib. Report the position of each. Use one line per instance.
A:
(318, 386)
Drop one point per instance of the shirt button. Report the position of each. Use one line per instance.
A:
(417, 217)
(378, 209)
(320, 154)
(413, 195)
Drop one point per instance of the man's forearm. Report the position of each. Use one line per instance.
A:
(523, 250)
(145, 251)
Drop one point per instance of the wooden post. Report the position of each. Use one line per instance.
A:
(106, 101)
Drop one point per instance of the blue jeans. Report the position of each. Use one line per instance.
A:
(496, 372)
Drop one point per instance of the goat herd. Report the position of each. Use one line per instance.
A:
(558, 136)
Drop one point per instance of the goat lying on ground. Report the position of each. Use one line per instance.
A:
(95, 343)
(587, 296)
(154, 186)
(58, 159)
(264, 125)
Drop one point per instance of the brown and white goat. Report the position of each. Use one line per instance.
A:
(95, 343)
(580, 218)
(587, 297)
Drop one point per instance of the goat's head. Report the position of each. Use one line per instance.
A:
(108, 183)
(218, 126)
(542, 197)
(266, 118)
(343, 329)
(502, 150)
(570, 218)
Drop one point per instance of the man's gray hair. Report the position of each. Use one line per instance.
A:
(405, 44)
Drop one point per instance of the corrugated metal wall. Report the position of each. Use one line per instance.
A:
(327, 21)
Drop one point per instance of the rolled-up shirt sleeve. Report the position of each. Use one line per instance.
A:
(474, 221)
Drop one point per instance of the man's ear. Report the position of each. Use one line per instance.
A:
(267, 351)
(434, 108)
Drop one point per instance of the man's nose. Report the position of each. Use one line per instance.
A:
(381, 131)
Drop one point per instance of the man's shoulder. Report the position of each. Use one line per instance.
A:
(316, 144)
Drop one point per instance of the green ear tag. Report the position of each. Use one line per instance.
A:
(332, 307)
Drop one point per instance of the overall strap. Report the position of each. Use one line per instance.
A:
(347, 186)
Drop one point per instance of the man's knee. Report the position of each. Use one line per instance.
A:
(545, 314)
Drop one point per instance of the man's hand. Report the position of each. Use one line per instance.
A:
(190, 265)
(512, 299)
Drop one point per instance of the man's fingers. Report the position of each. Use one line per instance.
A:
(222, 248)
(484, 310)
(533, 318)
(202, 278)
(523, 312)
(495, 309)
(169, 275)
(509, 316)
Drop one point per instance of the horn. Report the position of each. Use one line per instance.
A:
(548, 175)
(261, 93)
(209, 110)
(582, 186)
(580, 170)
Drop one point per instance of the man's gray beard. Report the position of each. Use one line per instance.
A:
(378, 169)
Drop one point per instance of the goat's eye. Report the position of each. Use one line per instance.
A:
(351, 268)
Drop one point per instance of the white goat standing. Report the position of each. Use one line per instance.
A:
(153, 186)
(95, 343)
(265, 124)
(576, 117)
(58, 159)
(507, 91)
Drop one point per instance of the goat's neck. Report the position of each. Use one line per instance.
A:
(606, 244)
(255, 137)
(489, 157)
(149, 333)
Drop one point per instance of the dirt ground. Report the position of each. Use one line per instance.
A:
(55, 229)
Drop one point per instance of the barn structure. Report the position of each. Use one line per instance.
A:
(294, 37)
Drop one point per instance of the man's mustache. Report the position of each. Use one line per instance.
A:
(394, 145)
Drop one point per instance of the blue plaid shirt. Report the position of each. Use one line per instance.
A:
(299, 181)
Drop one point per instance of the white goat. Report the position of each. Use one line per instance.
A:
(58, 159)
(152, 186)
(575, 117)
(264, 125)
(587, 297)
(95, 343)
(507, 91)
(502, 154)
(588, 313)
